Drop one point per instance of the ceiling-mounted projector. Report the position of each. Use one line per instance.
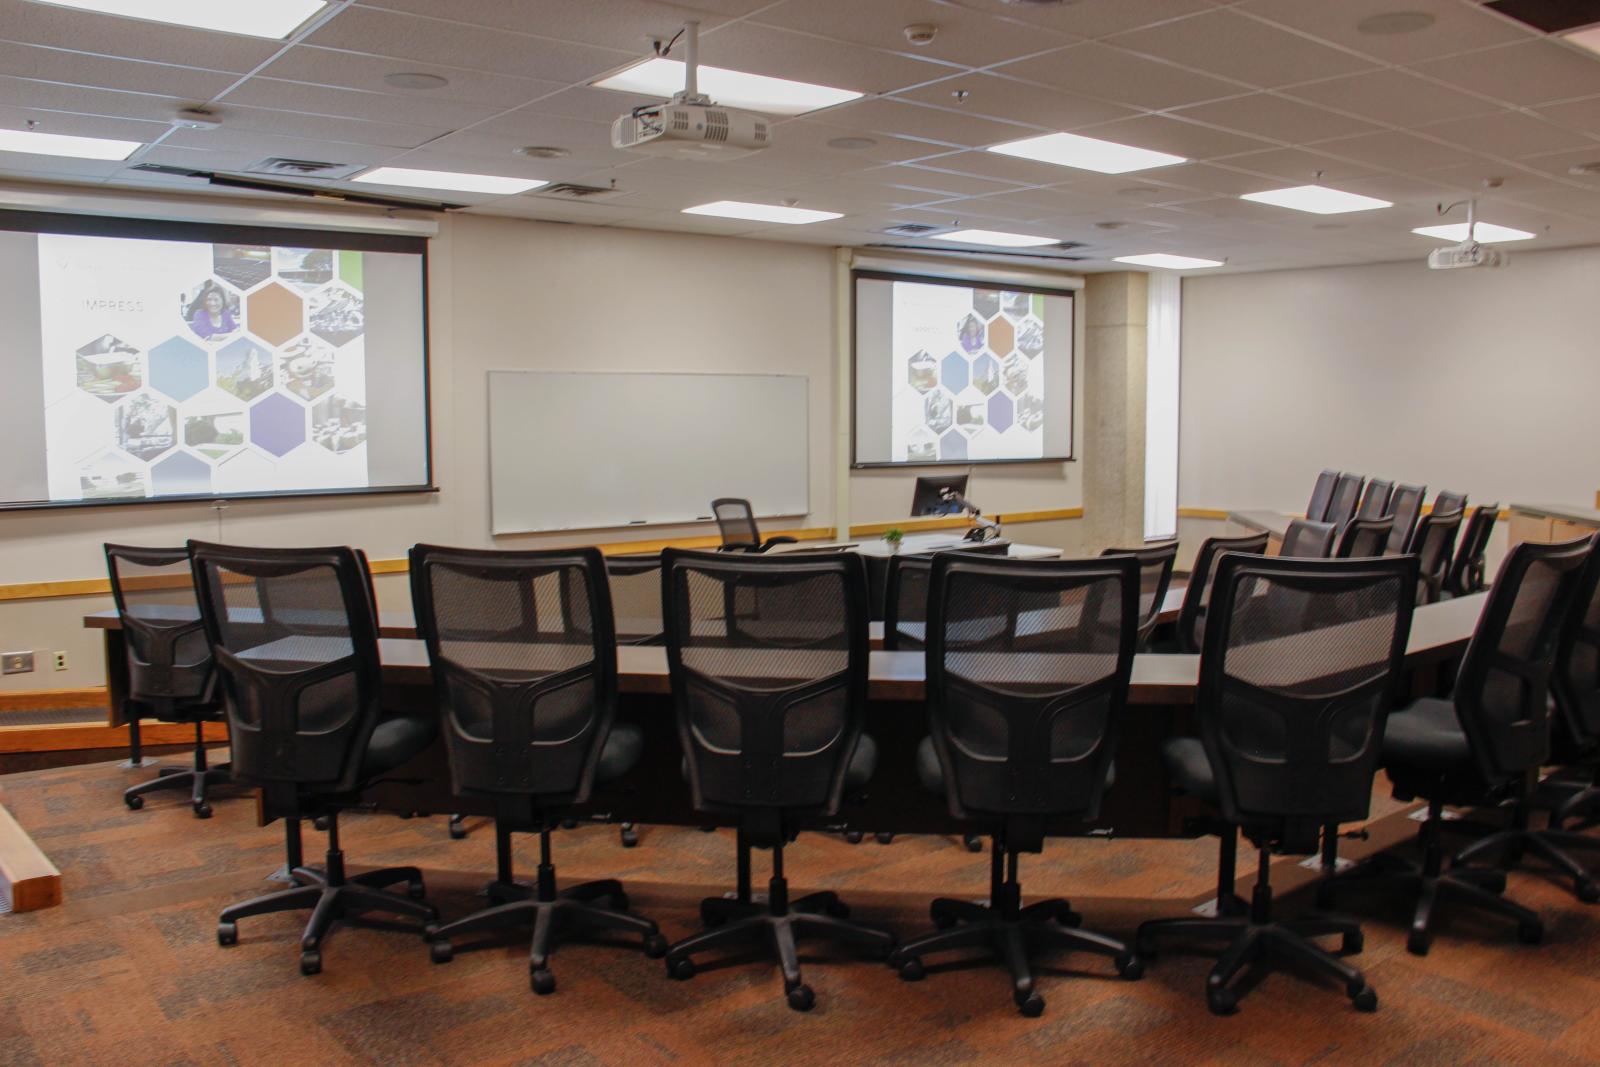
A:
(1465, 254)
(691, 125)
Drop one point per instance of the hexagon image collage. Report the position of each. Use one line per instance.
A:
(988, 383)
(264, 358)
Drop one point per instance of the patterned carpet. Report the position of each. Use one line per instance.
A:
(128, 971)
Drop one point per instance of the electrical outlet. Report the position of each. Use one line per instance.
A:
(16, 662)
(61, 660)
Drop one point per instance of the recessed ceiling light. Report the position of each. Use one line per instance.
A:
(257, 18)
(60, 144)
(733, 88)
(1086, 153)
(1585, 170)
(737, 209)
(1392, 22)
(1317, 199)
(850, 144)
(542, 151)
(414, 80)
(1169, 262)
(455, 181)
(1487, 232)
(1589, 38)
(997, 238)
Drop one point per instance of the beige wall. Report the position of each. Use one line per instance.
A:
(514, 294)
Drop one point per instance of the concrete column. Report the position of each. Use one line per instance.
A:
(1115, 308)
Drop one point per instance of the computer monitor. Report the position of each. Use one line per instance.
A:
(927, 500)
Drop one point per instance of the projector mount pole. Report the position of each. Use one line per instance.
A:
(1472, 215)
(691, 66)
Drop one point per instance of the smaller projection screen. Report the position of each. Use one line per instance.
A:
(151, 361)
(960, 371)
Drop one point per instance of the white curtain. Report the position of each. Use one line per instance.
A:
(1164, 323)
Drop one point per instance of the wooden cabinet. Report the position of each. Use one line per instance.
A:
(1543, 525)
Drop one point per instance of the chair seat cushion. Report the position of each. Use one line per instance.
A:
(1189, 767)
(1427, 737)
(395, 740)
(931, 775)
(621, 752)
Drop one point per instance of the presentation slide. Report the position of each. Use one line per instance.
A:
(194, 369)
(950, 372)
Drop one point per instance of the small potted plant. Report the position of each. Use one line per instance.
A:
(894, 535)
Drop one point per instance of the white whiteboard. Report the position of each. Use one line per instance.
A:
(577, 451)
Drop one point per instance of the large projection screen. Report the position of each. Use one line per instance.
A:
(154, 361)
(960, 371)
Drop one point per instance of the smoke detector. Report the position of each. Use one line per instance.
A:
(195, 118)
(921, 33)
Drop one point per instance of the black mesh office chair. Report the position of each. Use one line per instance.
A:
(1301, 663)
(1481, 743)
(1575, 683)
(1197, 594)
(1305, 539)
(769, 702)
(527, 700)
(1405, 505)
(295, 636)
(1346, 498)
(1434, 543)
(1375, 499)
(1321, 495)
(1445, 500)
(737, 524)
(1364, 537)
(1468, 570)
(1155, 575)
(170, 672)
(1024, 724)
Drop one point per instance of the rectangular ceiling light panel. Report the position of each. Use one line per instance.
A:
(274, 19)
(1317, 199)
(1086, 153)
(730, 88)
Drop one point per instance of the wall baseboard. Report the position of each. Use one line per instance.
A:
(93, 696)
(70, 737)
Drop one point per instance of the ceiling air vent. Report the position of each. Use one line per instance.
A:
(588, 194)
(176, 172)
(304, 168)
(914, 229)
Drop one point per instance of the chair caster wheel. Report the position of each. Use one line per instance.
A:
(202, 811)
(542, 981)
(569, 824)
(416, 890)
(458, 829)
(441, 951)
(973, 842)
(310, 962)
(1222, 1001)
(1129, 966)
(853, 836)
(227, 934)
(630, 837)
(1365, 999)
(681, 968)
(1031, 1004)
(1352, 943)
(1587, 892)
(912, 970)
(1417, 943)
(320, 823)
(1530, 933)
(883, 838)
(134, 803)
(655, 946)
(801, 998)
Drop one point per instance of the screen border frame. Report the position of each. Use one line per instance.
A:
(38, 222)
(858, 274)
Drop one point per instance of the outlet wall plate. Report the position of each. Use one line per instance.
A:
(16, 662)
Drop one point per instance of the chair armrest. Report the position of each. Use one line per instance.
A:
(780, 540)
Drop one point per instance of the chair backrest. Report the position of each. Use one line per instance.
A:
(1346, 498)
(1375, 499)
(1024, 720)
(1300, 667)
(169, 661)
(1405, 504)
(1197, 594)
(1155, 575)
(1364, 537)
(295, 635)
(1448, 501)
(1467, 570)
(1309, 540)
(737, 524)
(1502, 691)
(525, 708)
(636, 598)
(769, 698)
(1434, 542)
(1321, 495)
(1575, 679)
(905, 602)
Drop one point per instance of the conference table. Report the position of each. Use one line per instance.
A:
(1141, 803)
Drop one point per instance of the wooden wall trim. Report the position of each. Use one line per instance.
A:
(961, 522)
(28, 880)
(1202, 513)
(93, 696)
(81, 735)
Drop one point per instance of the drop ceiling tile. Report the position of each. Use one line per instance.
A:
(391, 106)
(1510, 135)
(1187, 139)
(622, 24)
(1534, 72)
(1222, 178)
(108, 35)
(1457, 27)
(76, 99)
(1401, 190)
(13, 117)
(416, 39)
(892, 116)
(51, 168)
(996, 97)
(1392, 98)
(329, 128)
(519, 128)
(936, 181)
(1558, 164)
(589, 104)
(1295, 166)
(1397, 150)
(1230, 45)
(348, 70)
(1276, 118)
(1104, 73)
(449, 154)
(786, 54)
(1047, 202)
(261, 144)
(1583, 203)
(814, 136)
(997, 167)
(964, 36)
(1577, 114)
(1094, 18)
(75, 68)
